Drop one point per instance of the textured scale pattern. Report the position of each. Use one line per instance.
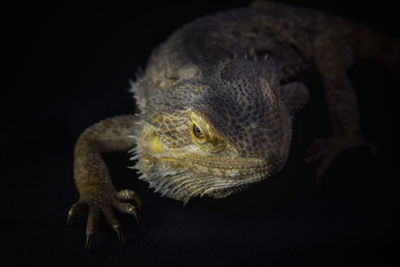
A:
(239, 99)
(216, 101)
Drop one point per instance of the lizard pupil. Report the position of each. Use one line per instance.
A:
(197, 132)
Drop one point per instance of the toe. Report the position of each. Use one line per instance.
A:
(317, 155)
(89, 241)
(327, 161)
(316, 145)
(93, 221)
(127, 194)
(75, 210)
(121, 235)
(127, 208)
(111, 218)
(114, 223)
(92, 226)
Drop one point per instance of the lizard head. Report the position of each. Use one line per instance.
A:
(214, 133)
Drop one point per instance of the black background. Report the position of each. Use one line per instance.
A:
(67, 66)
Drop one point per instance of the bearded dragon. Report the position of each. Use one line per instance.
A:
(216, 103)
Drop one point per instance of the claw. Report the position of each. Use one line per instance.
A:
(137, 217)
(121, 236)
(127, 208)
(89, 241)
(106, 208)
(75, 210)
(69, 219)
(138, 201)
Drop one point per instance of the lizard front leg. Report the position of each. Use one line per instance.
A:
(97, 192)
(332, 58)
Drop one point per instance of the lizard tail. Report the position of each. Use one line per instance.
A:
(376, 47)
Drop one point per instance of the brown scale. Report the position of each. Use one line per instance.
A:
(208, 75)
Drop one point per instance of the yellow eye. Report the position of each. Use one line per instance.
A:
(197, 132)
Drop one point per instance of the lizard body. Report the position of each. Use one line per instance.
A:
(216, 102)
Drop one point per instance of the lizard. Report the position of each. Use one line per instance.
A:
(216, 102)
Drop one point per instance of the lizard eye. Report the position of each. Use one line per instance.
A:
(197, 132)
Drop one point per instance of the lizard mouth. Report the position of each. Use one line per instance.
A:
(229, 168)
(218, 177)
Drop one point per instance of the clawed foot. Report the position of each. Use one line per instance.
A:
(97, 204)
(326, 150)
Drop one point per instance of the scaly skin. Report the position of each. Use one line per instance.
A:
(216, 102)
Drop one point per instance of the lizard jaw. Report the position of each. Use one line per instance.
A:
(182, 179)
